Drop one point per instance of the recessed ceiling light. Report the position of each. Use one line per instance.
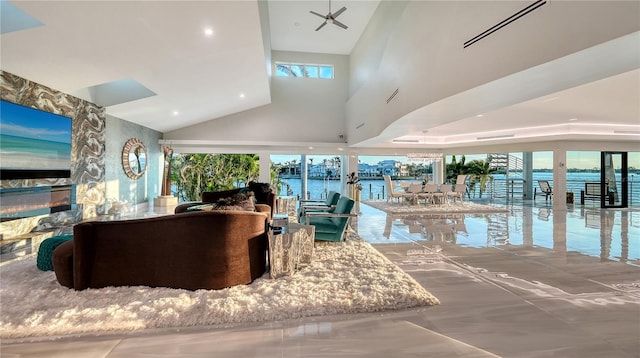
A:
(573, 119)
(479, 115)
(241, 95)
(175, 113)
(208, 31)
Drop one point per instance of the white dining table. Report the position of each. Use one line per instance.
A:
(437, 199)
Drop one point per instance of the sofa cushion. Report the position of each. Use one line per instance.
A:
(261, 191)
(240, 201)
(201, 207)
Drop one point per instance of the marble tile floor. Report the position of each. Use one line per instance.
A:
(518, 284)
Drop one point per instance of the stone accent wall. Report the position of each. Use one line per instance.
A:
(87, 154)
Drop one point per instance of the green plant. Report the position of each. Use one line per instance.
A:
(480, 171)
(454, 168)
(275, 170)
(352, 179)
(196, 173)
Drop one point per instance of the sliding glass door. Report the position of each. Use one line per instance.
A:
(613, 179)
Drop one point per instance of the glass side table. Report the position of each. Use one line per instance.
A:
(278, 222)
(290, 249)
(287, 205)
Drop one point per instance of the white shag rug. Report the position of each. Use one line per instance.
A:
(345, 277)
(459, 207)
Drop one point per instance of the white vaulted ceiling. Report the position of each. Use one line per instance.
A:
(160, 45)
(186, 76)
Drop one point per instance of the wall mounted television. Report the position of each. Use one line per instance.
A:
(34, 144)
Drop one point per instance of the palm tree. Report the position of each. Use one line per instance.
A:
(480, 171)
(291, 73)
(412, 170)
(274, 172)
(454, 168)
(191, 171)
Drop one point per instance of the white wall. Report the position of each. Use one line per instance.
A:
(302, 109)
(118, 185)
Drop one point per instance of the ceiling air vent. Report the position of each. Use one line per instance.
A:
(626, 132)
(393, 95)
(405, 141)
(496, 137)
(505, 22)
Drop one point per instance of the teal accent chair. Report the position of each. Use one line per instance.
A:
(332, 226)
(326, 205)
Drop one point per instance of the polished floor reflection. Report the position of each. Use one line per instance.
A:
(611, 235)
(528, 282)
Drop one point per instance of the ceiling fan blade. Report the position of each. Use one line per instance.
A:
(336, 22)
(339, 12)
(315, 13)
(319, 27)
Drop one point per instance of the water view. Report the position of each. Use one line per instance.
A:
(34, 153)
(374, 189)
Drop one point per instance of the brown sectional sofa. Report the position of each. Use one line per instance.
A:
(194, 250)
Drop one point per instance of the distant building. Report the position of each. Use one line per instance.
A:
(331, 169)
(367, 171)
(389, 167)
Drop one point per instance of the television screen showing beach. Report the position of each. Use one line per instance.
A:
(31, 139)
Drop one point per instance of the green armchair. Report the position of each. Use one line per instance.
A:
(326, 205)
(332, 226)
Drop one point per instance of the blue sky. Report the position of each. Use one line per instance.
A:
(27, 122)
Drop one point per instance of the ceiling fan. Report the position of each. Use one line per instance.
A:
(331, 18)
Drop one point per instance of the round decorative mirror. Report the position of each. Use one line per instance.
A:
(134, 158)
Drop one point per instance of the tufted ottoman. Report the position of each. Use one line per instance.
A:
(45, 252)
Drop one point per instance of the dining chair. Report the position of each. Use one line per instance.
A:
(428, 192)
(391, 192)
(441, 196)
(461, 178)
(413, 191)
(457, 193)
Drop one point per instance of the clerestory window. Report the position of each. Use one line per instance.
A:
(304, 70)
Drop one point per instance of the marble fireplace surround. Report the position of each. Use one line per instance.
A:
(87, 156)
(18, 203)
